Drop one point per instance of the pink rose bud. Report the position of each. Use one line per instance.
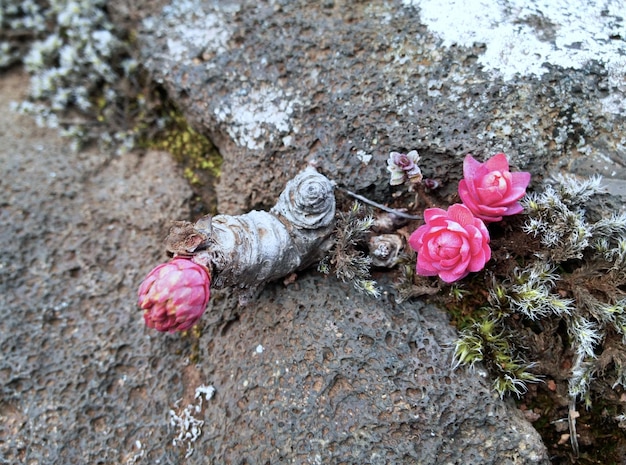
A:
(451, 244)
(174, 295)
(489, 190)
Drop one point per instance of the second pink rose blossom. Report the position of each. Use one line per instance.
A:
(490, 190)
(451, 244)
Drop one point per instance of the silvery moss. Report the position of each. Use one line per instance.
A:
(19, 23)
(576, 276)
(78, 63)
(345, 259)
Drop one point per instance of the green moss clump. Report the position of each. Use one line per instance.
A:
(190, 148)
(199, 158)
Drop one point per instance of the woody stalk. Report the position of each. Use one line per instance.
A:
(243, 252)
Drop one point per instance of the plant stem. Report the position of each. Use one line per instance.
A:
(382, 207)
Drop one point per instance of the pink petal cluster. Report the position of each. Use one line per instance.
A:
(404, 167)
(490, 190)
(174, 295)
(451, 244)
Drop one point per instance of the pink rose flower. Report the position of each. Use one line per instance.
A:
(174, 295)
(489, 190)
(451, 244)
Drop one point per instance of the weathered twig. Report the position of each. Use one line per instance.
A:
(246, 251)
(381, 206)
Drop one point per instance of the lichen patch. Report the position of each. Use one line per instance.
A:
(191, 32)
(522, 36)
(258, 115)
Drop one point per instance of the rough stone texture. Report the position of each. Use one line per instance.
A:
(276, 84)
(316, 374)
(81, 379)
(344, 83)
(310, 373)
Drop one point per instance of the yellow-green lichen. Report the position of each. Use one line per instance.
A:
(192, 150)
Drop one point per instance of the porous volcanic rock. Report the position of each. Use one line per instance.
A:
(81, 380)
(311, 373)
(343, 83)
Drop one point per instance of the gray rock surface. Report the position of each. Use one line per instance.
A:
(315, 374)
(310, 373)
(344, 83)
(81, 380)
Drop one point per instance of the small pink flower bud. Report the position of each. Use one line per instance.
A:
(451, 244)
(490, 190)
(430, 183)
(174, 295)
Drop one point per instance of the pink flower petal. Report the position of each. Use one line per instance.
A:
(451, 276)
(470, 167)
(174, 295)
(490, 195)
(497, 163)
(425, 268)
(451, 243)
(461, 214)
(490, 190)
(432, 213)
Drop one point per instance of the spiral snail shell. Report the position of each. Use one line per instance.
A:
(308, 201)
